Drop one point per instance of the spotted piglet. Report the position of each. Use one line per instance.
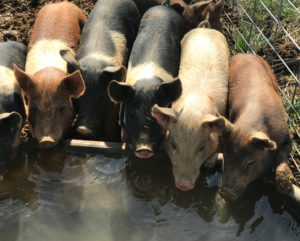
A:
(12, 111)
(151, 79)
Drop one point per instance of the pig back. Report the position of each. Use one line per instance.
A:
(254, 101)
(12, 52)
(158, 41)
(204, 65)
(110, 30)
(58, 21)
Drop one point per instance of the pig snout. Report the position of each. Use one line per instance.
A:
(47, 142)
(84, 131)
(184, 187)
(228, 194)
(144, 152)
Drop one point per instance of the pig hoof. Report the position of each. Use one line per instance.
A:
(82, 130)
(47, 142)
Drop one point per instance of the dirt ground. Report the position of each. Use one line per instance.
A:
(17, 16)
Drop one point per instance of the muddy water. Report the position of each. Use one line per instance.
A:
(61, 196)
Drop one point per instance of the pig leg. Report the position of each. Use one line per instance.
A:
(283, 175)
(283, 178)
(112, 130)
(124, 137)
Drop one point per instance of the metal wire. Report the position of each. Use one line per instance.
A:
(242, 42)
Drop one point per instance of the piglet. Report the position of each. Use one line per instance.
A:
(151, 79)
(12, 111)
(197, 12)
(193, 118)
(255, 138)
(105, 45)
(47, 88)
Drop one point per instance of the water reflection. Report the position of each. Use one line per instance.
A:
(55, 195)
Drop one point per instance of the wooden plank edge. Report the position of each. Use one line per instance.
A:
(96, 146)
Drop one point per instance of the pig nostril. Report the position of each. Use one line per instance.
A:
(47, 142)
(83, 130)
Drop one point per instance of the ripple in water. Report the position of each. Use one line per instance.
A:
(54, 195)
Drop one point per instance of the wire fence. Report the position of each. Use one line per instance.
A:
(271, 28)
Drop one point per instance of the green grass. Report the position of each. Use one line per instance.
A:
(264, 21)
(257, 42)
(290, 111)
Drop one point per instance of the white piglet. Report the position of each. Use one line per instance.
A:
(191, 122)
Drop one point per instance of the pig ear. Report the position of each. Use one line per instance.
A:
(168, 92)
(219, 7)
(74, 84)
(115, 73)
(24, 81)
(218, 125)
(120, 91)
(262, 141)
(164, 115)
(11, 119)
(179, 7)
(200, 6)
(72, 64)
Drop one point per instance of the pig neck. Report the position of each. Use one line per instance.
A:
(248, 120)
(198, 92)
(111, 50)
(146, 71)
(45, 53)
(194, 104)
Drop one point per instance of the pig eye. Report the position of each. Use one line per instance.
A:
(26, 100)
(250, 163)
(33, 108)
(201, 148)
(130, 115)
(101, 96)
(62, 109)
(172, 144)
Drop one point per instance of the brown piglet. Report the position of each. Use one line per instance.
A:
(46, 87)
(256, 138)
(196, 12)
